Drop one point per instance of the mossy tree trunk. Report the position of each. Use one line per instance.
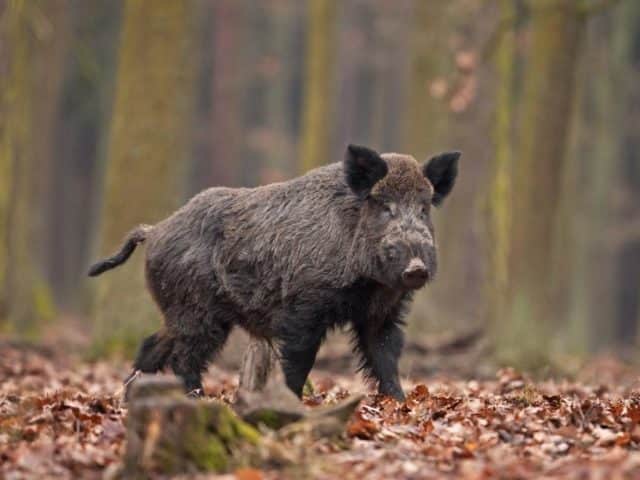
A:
(169, 434)
(500, 195)
(626, 56)
(426, 122)
(427, 113)
(318, 82)
(556, 31)
(597, 155)
(147, 154)
(35, 35)
(82, 116)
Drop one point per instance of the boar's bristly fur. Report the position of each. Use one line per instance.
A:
(346, 243)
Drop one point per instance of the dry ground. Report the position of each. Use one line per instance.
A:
(62, 417)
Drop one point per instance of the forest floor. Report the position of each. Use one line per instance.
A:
(62, 417)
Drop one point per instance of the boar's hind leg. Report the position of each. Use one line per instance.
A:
(191, 355)
(153, 352)
(380, 350)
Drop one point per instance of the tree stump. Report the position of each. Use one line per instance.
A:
(258, 364)
(169, 433)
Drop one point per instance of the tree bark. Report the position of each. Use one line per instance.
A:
(226, 93)
(258, 363)
(79, 133)
(168, 433)
(556, 31)
(147, 151)
(318, 83)
(607, 70)
(427, 114)
(499, 204)
(35, 35)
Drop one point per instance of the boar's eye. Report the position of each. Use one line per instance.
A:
(389, 210)
(391, 252)
(424, 212)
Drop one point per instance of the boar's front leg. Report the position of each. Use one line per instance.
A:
(299, 341)
(380, 349)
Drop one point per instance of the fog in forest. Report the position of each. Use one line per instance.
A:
(115, 113)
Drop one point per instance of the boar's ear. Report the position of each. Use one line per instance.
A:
(363, 168)
(442, 171)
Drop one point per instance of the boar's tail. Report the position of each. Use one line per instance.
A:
(135, 236)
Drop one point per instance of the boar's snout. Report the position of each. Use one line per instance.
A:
(415, 275)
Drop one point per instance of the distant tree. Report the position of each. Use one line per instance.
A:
(81, 119)
(318, 81)
(594, 161)
(625, 239)
(500, 195)
(226, 92)
(279, 63)
(427, 115)
(437, 37)
(34, 41)
(147, 156)
(540, 159)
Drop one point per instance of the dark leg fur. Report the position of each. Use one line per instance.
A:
(191, 355)
(297, 362)
(299, 339)
(153, 353)
(152, 356)
(380, 350)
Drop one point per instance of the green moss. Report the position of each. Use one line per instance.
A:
(211, 442)
(215, 438)
(207, 450)
(232, 430)
(268, 418)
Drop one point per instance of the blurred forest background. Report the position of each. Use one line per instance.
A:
(114, 112)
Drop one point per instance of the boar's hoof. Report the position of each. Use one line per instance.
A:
(393, 391)
(195, 393)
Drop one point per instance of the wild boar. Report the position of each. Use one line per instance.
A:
(345, 244)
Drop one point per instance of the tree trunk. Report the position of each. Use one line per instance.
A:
(279, 149)
(78, 132)
(556, 31)
(170, 434)
(318, 81)
(147, 151)
(35, 33)
(425, 128)
(226, 93)
(499, 204)
(258, 363)
(428, 114)
(627, 55)
(607, 69)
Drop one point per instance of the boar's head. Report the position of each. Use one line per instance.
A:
(395, 227)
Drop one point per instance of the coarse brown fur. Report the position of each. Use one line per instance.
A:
(346, 243)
